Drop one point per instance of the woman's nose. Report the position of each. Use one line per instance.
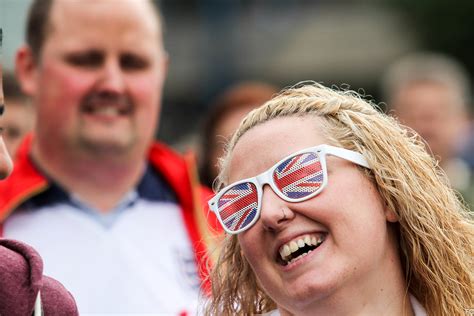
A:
(6, 164)
(274, 213)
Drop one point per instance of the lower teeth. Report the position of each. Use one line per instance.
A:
(303, 254)
(299, 257)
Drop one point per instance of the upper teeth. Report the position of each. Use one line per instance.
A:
(106, 110)
(311, 240)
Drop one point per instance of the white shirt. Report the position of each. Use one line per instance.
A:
(138, 260)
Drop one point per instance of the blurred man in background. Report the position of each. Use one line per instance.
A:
(116, 216)
(19, 119)
(430, 93)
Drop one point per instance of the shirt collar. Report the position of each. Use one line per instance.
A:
(151, 187)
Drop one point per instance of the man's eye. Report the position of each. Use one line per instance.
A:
(89, 59)
(133, 62)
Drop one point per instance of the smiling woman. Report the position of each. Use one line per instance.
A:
(341, 212)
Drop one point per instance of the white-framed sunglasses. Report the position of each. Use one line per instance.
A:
(296, 178)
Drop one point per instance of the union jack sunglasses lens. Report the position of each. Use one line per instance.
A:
(237, 207)
(296, 178)
(299, 176)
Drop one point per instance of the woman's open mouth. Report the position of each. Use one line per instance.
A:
(299, 247)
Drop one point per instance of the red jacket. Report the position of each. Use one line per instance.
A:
(179, 172)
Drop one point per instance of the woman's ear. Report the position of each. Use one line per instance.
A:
(25, 66)
(390, 215)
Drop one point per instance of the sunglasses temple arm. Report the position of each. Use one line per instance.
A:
(350, 155)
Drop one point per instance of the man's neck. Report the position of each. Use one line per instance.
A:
(99, 181)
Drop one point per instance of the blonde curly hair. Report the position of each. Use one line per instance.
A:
(436, 231)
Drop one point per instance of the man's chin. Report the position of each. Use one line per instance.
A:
(107, 145)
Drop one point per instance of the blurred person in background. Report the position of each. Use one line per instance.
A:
(431, 93)
(19, 119)
(24, 290)
(223, 118)
(117, 217)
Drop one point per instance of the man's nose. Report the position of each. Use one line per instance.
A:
(274, 212)
(113, 77)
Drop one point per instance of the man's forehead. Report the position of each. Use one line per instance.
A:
(65, 10)
(102, 22)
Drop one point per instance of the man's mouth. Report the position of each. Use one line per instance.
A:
(107, 110)
(299, 247)
(107, 105)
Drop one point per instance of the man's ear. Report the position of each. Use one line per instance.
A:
(26, 70)
(164, 65)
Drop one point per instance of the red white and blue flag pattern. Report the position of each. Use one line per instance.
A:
(238, 206)
(299, 176)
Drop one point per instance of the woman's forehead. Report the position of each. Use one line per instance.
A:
(288, 130)
(267, 143)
